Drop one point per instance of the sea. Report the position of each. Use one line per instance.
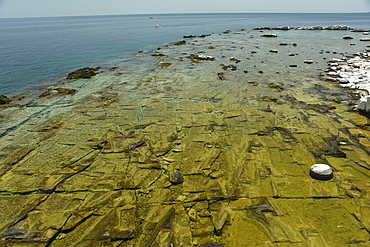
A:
(41, 51)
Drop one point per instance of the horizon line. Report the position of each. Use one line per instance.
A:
(179, 13)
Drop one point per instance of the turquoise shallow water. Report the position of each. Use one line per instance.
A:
(37, 51)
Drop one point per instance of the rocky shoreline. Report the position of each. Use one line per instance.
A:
(205, 142)
(330, 28)
(353, 72)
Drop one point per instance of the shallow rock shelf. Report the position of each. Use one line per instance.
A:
(174, 156)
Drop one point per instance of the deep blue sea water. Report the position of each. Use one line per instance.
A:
(39, 50)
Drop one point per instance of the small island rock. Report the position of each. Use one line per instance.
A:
(85, 73)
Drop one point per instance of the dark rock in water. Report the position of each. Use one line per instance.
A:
(269, 99)
(203, 35)
(233, 59)
(364, 113)
(4, 100)
(113, 68)
(196, 36)
(360, 30)
(158, 55)
(189, 36)
(164, 65)
(254, 83)
(14, 233)
(264, 207)
(211, 245)
(136, 145)
(101, 144)
(321, 108)
(176, 177)
(58, 91)
(270, 35)
(216, 199)
(85, 73)
(116, 235)
(347, 37)
(226, 67)
(182, 42)
(276, 86)
(200, 57)
(221, 75)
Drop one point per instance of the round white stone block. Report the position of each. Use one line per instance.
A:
(321, 172)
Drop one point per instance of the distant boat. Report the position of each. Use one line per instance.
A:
(151, 17)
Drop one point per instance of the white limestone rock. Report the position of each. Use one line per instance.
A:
(321, 172)
(364, 103)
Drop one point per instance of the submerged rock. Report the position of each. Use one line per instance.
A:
(321, 108)
(182, 42)
(276, 86)
(176, 177)
(164, 65)
(200, 57)
(85, 73)
(211, 245)
(221, 76)
(14, 233)
(116, 235)
(4, 100)
(57, 91)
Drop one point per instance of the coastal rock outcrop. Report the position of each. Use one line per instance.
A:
(351, 72)
(85, 73)
(274, 28)
(364, 104)
(182, 42)
(331, 27)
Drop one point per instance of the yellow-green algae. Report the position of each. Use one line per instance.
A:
(94, 168)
